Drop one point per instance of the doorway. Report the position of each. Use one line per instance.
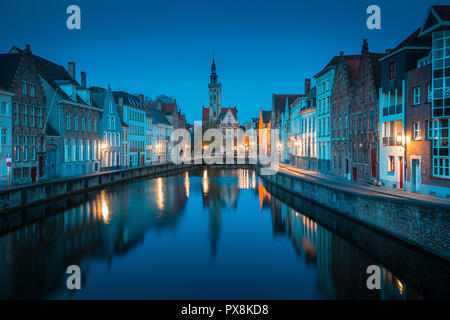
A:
(415, 175)
(400, 172)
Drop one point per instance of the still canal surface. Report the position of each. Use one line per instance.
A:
(207, 234)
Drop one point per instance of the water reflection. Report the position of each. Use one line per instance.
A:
(158, 225)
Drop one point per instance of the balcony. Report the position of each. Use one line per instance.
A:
(394, 109)
(390, 142)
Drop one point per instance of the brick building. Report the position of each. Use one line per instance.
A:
(20, 76)
(394, 66)
(427, 110)
(341, 98)
(363, 133)
(73, 147)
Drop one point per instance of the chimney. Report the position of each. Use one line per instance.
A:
(71, 69)
(27, 48)
(307, 85)
(141, 97)
(120, 101)
(365, 46)
(83, 79)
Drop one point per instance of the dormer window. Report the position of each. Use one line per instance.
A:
(24, 89)
(392, 70)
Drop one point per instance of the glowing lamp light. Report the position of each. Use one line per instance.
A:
(399, 139)
(104, 145)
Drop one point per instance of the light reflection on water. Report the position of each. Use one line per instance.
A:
(207, 234)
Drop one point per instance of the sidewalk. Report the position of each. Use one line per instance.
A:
(4, 185)
(358, 187)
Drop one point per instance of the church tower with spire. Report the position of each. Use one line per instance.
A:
(215, 94)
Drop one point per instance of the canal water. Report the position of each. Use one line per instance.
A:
(208, 234)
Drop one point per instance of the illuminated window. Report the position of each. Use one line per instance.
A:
(416, 131)
(391, 164)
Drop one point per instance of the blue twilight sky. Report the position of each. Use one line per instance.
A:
(155, 46)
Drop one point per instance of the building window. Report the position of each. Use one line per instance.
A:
(440, 66)
(75, 122)
(416, 91)
(68, 121)
(392, 70)
(440, 148)
(391, 164)
(40, 117)
(3, 110)
(416, 131)
(24, 89)
(3, 140)
(32, 117)
(83, 124)
(372, 120)
(32, 93)
(25, 116)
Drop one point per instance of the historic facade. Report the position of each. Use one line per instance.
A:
(324, 85)
(6, 103)
(132, 113)
(341, 98)
(363, 133)
(161, 132)
(20, 76)
(394, 66)
(110, 128)
(427, 106)
(73, 148)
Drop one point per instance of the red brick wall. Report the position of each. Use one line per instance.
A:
(420, 113)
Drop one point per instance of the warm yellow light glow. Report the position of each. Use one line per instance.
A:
(408, 139)
(399, 139)
(160, 195)
(104, 145)
(400, 286)
(186, 183)
(205, 182)
(105, 212)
